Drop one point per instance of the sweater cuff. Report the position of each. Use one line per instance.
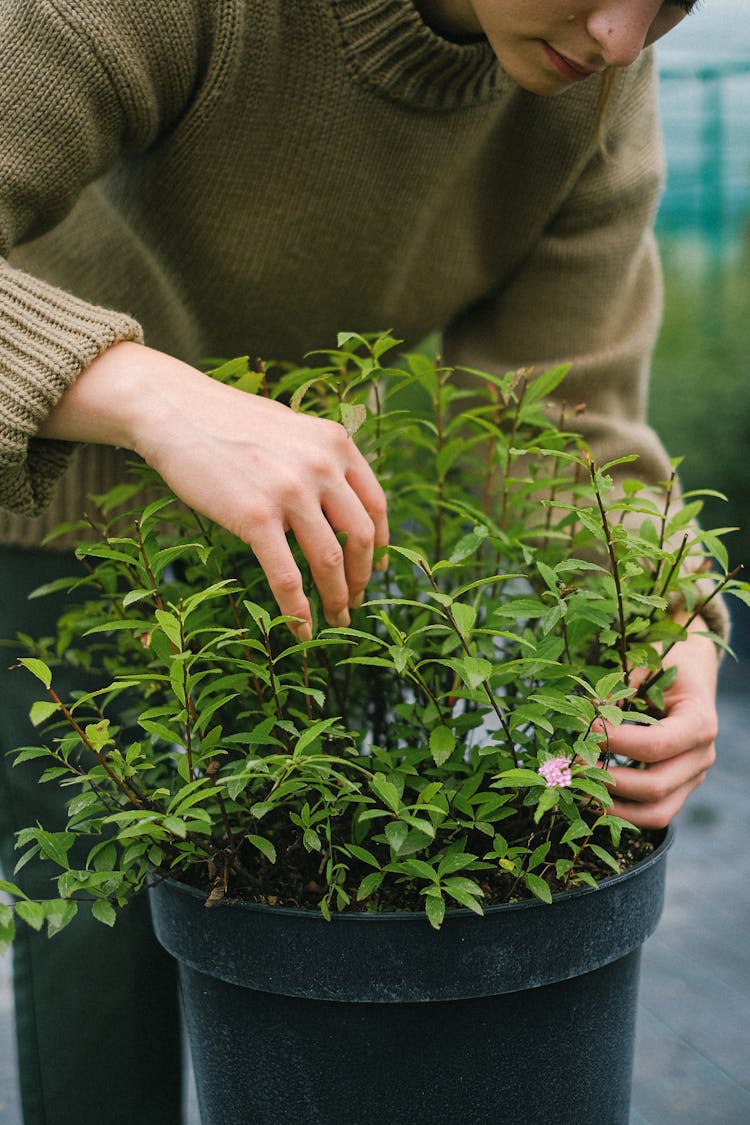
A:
(47, 338)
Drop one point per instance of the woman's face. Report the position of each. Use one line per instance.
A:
(548, 45)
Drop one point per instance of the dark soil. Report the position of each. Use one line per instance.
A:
(297, 879)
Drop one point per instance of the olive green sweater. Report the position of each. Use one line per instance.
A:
(225, 177)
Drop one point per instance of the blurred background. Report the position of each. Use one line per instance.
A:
(692, 1062)
(700, 397)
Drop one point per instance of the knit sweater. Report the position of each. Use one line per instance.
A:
(224, 177)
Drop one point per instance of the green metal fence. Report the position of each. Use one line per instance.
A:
(700, 387)
(706, 118)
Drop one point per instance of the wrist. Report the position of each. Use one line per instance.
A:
(117, 400)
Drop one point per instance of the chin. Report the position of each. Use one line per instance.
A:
(541, 84)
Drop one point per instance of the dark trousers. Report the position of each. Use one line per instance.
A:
(97, 1015)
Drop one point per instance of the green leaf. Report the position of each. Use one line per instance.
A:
(442, 744)
(519, 608)
(551, 580)
(517, 778)
(435, 908)
(538, 887)
(575, 831)
(98, 734)
(415, 557)
(473, 670)
(468, 546)
(593, 788)
(26, 753)
(465, 617)
(162, 731)
(32, 913)
(55, 845)
(42, 710)
(353, 417)
(104, 912)
(605, 857)
(175, 825)
(587, 878)
(119, 626)
(227, 371)
(455, 860)
(311, 733)
(82, 802)
(102, 551)
(103, 857)
(464, 892)
(548, 800)
(59, 915)
(215, 590)
(395, 833)
(37, 668)
(58, 584)
(263, 845)
(546, 382)
(386, 791)
(262, 808)
(11, 889)
(155, 506)
(134, 596)
(369, 884)
(608, 684)
(171, 626)
(419, 870)
(362, 854)
(538, 856)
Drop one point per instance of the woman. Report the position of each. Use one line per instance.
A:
(225, 176)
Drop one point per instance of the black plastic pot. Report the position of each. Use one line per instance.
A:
(523, 1017)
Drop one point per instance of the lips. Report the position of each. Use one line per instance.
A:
(568, 67)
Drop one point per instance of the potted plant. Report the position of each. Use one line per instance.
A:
(421, 904)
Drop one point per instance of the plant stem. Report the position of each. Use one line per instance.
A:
(500, 714)
(69, 718)
(622, 637)
(523, 383)
(438, 404)
(147, 565)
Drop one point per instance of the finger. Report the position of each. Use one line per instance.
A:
(687, 726)
(270, 546)
(651, 797)
(344, 512)
(656, 814)
(325, 555)
(656, 782)
(364, 482)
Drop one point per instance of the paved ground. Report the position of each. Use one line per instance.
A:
(693, 1047)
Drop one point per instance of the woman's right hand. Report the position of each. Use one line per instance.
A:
(251, 464)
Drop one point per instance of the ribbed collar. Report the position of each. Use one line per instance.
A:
(390, 48)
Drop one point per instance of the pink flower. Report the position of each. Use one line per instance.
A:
(556, 773)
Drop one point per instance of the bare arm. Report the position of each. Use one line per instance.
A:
(251, 464)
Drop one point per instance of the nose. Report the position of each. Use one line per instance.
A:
(621, 30)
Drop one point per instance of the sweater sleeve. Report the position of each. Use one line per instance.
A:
(589, 292)
(81, 84)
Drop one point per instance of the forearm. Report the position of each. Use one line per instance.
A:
(251, 464)
(120, 398)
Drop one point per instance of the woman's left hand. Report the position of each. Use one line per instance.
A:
(677, 751)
